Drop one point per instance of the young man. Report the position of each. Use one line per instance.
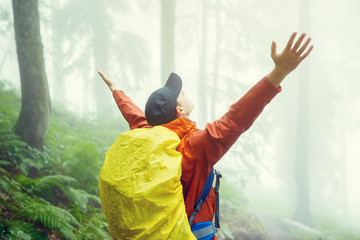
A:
(201, 149)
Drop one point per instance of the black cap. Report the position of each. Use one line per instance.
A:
(161, 106)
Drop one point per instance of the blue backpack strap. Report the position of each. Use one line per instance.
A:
(204, 193)
(216, 189)
(206, 230)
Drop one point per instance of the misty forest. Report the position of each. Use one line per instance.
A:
(293, 175)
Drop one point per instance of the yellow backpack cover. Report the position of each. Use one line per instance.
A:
(140, 188)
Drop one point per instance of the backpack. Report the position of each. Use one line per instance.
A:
(140, 188)
(141, 191)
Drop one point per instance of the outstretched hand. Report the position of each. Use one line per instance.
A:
(106, 79)
(289, 58)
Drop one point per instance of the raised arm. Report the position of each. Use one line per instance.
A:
(133, 115)
(218, 136)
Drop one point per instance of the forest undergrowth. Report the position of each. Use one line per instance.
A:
(51, 194)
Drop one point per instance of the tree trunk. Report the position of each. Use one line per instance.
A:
(167, 38)
(32, 124)
(101, 41)
(343, 146)
(216, 61)
(302, 211)
(3, 60)
(59, 86)
(202, 75)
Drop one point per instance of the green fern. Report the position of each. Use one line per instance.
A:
(26, 182)
(8, 184)
(72, 148)
(23, 230)
(42, 213)
(3, 171)
(38, 185)
(17, 151)
(49, 181)
(51, 217)
(94, 229)
(12, 143)
(22, 155)
(95, 199)
(18, 235)
(81, 198)
(5, 163)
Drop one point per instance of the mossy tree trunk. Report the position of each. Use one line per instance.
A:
(32, 124)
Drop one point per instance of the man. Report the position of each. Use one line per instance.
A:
(201, 149)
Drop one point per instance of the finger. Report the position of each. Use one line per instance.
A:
(302, 49)
(306, 53)
(99, 71)
(298, 42)
(291, 41)
(273, 49)
(101, 75)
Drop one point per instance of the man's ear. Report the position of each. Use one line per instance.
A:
(179, 111)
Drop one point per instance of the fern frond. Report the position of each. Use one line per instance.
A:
(5, 163)
(53, 180)
(19, 235)
(12, 143)
(3, 171)
(93, 231)
(24, 181)
(95, 198)
(23, 230)
(95, 228)
(80, 197)
(8, 134)
(51, 217)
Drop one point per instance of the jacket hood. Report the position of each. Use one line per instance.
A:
(181, 126)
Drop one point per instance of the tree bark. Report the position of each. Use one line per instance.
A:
(59, 86)
(32, 124)
(101, 41)
(202, 74)
(167, 38)
(302, 211)
(216, 61)
(3, 60)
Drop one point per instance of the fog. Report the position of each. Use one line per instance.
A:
(221, 49)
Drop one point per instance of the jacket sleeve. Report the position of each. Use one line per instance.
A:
(217, 137)
(132, 114)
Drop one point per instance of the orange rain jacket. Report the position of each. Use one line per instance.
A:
(202, 148)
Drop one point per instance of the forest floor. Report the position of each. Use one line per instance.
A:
(280, 228)
(274, 228)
